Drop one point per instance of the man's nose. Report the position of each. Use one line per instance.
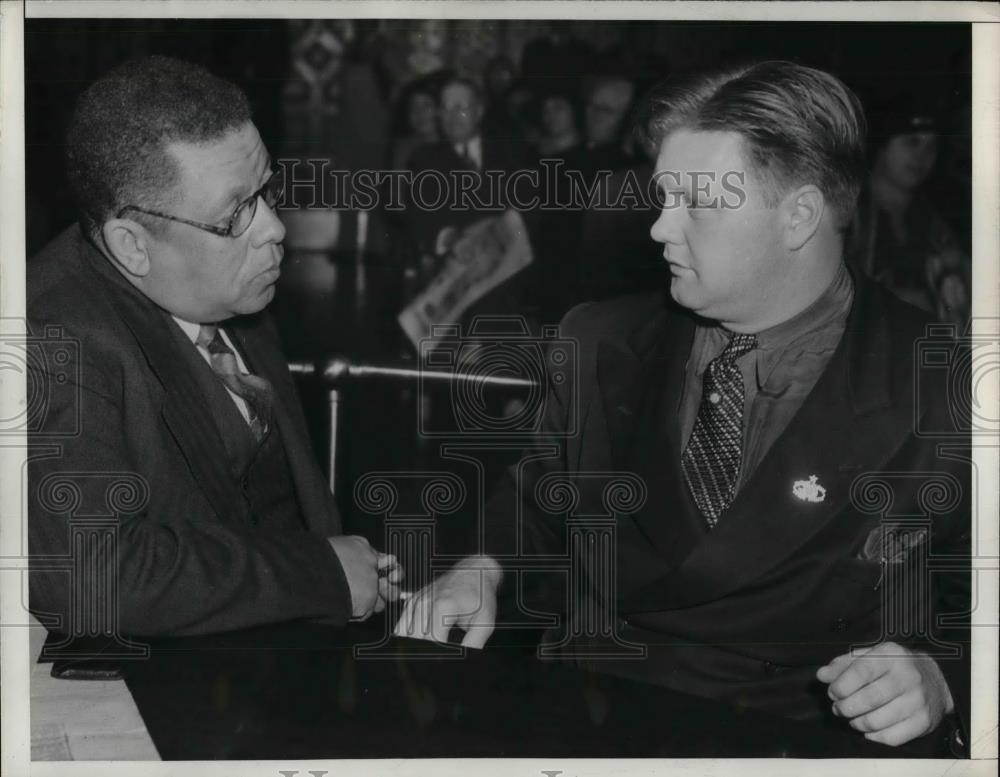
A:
(267, 227)
(666, 228)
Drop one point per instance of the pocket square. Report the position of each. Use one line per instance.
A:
(891, 544)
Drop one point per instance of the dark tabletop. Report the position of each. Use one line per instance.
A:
(302, 691)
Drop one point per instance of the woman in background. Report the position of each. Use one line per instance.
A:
(416, 118)
(899, 236)
(559, 123)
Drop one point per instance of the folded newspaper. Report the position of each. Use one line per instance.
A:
(485, 255)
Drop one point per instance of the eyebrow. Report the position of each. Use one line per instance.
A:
(665, 184)
(237, 194)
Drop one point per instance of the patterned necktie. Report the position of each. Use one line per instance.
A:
(711, 461)
(252, 389)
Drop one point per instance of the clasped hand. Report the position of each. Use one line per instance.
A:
(372, 577)
(464, 597)
(890, 693)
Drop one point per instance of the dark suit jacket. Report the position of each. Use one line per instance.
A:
(441, 158)
(125, 432)
(746, 613)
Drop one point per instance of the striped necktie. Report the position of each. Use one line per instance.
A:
(711, 461)
(252, 389)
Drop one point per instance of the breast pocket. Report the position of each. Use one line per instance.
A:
(857, 596)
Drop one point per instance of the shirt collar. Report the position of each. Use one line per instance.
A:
(473, 145)
(832, 305)
(189, 329)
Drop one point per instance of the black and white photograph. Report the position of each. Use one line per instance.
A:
(553, 388)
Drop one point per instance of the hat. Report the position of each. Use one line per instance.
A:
(901, 116)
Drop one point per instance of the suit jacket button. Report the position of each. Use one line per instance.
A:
(770, 668)
(839, 625)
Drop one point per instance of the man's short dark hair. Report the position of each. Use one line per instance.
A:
(116, 145)
(799, 125)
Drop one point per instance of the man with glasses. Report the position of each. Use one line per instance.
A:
(466, 176)
(176, 388)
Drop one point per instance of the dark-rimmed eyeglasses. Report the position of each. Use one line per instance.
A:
(242, 217)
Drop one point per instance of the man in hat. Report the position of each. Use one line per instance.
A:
(899, 235)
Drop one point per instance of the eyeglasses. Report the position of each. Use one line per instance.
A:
(242, 217)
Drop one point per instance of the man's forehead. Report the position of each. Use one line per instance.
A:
(686, 150)
(614, 93)
(236, 147)
(458, 93)
(230, 158)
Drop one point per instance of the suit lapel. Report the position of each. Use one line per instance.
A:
(641, 395)
(847, 425)
(186, 413)
(184, 410)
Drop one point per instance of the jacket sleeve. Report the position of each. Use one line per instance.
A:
(948, 639)
(164, 561)
(517, 526)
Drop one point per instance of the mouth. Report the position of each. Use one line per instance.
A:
(676, 267)
(271, 274)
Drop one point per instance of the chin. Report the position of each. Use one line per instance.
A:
(258, 303)
(683, 294)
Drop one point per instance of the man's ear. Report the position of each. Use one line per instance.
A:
(804, 208)
(128, 244)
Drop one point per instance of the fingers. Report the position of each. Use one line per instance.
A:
(870, 697)
(885, 693)
(858, 674)
(480, 628)
(387, 590)
(440, 625)
(407, 619)
(396, 574)
(899, 734)
(899, 709)
(830, 672)
(458, 598)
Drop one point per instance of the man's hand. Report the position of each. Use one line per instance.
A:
(464, 596)
(362, 563)
(889, 692)
(390, 575)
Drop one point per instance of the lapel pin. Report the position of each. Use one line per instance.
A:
(809, 490)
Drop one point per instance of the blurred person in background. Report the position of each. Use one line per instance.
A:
(606, 106)
(899, 236)
(567, 263)
(559, 123)
(416, 119)
(463, 147)
(498, 77)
